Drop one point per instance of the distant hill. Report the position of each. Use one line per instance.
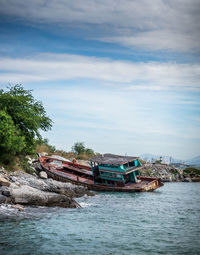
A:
(193, 161)
(167, 159)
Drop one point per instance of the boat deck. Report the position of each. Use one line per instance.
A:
(78, 170)
(79, 174)
(70, 176)
(90, 183)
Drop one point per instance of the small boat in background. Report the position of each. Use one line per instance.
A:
(108, 172)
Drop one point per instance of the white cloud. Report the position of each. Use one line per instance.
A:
(158, 40)
(119, 121)
(125, 117)
(132, 76)
(156, 25)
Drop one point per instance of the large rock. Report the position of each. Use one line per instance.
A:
(5, 191)
(51, 185)
(27, 195)
(4, 182)
(27, 189)
(18, 207)
(196, 179)
(43, 175)
(2, 199)
(37, 166)
(165, 172)
(187, 179)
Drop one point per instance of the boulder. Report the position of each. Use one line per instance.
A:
(74, 204)
(5, 191)
(43, 175)
(13, 178)
(37, 166)
(187, 179)
(18, 207)
(3, 199)
(29, 160)
(17, 183)
(167, 173)
(4, 182)
(27, 195)
(2, 170)
(27, 189)
(196, 179)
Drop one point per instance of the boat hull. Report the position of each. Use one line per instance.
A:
(61, 174)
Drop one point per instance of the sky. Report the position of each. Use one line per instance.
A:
(122, 76)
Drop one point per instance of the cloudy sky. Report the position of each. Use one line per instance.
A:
(123, 76)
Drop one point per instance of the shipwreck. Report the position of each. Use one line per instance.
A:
(107, 172)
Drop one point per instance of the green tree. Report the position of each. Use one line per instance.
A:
(78, 148)
(21, 119)
(89, 151)
(81, 151)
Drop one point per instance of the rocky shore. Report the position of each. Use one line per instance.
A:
(20, 189)
(168, 173)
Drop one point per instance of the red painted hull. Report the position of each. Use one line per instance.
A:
(82, 175)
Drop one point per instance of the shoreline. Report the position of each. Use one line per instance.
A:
(20, 189)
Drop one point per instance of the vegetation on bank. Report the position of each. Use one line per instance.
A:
(191, 172)
(22, 117)
(78, 150)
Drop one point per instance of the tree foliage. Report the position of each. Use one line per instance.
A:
(81, 151)
(21, 119)
(191, 171)
(78, 148)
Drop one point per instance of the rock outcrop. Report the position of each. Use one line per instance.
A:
(165, 172)
(27, 189)
(27, 195)
(4, 182)
(3, 199)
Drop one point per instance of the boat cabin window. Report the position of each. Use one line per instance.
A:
(108, 166)
(131, 164)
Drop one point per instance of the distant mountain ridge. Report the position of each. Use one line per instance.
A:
(168, 159)
(193, 161)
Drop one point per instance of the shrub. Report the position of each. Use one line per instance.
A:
(21, 118)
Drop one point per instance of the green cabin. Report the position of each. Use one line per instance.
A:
(115, 170)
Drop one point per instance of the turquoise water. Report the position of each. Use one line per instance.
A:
(166, 221)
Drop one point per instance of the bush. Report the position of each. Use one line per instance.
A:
(25, 166)
(21, 118)
(191, 171)
(44, 146)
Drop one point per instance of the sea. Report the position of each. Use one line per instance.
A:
(166, 221)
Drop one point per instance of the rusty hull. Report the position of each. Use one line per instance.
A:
(70, 172)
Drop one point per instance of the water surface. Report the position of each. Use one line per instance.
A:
(166, 221)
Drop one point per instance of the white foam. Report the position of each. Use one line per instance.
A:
(84, 205)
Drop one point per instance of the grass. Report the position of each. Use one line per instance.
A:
(191, 171)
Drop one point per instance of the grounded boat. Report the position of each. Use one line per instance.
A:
(108, 172)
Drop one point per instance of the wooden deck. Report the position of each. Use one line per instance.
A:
(79, 175)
